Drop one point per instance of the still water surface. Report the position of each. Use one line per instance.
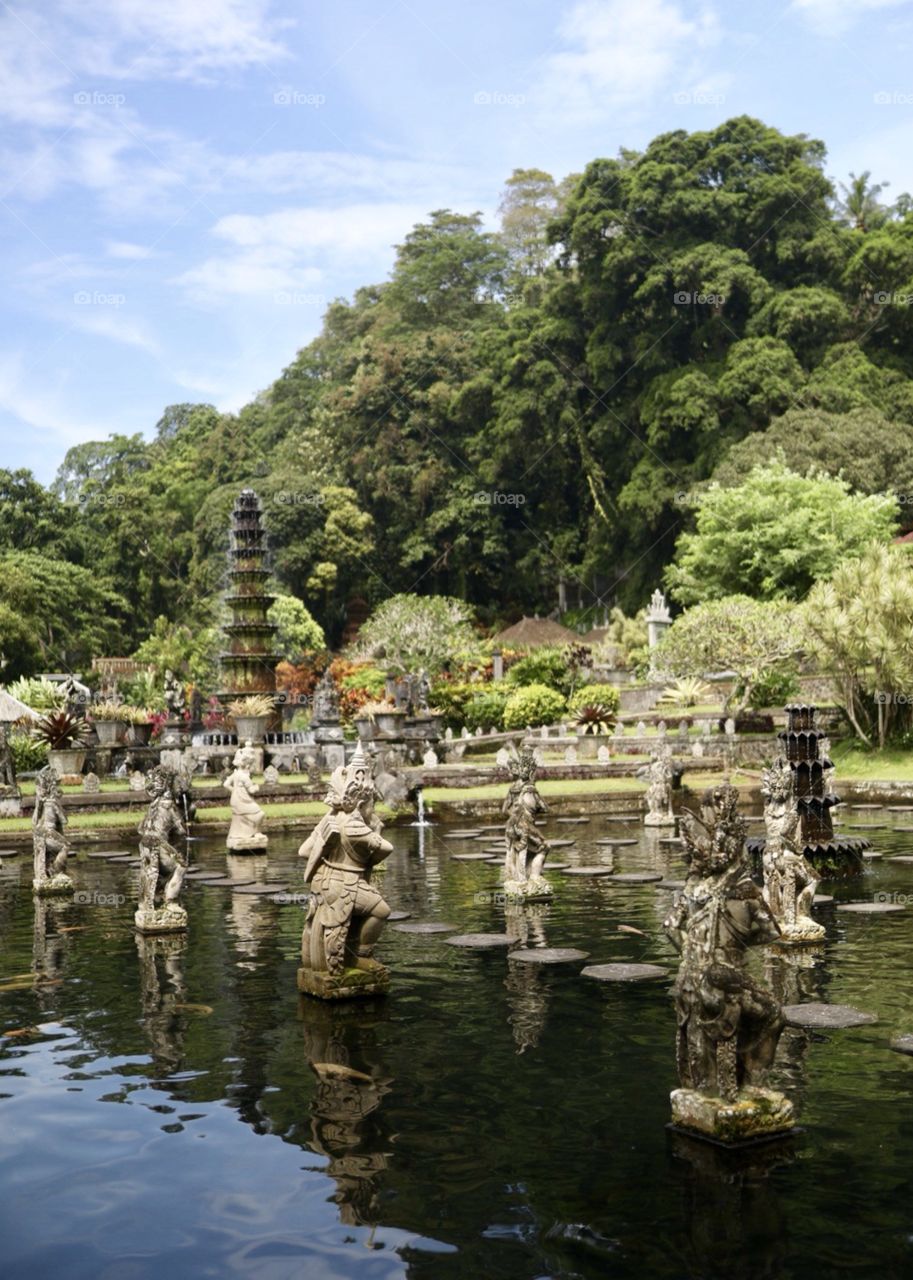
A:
(163, 1116)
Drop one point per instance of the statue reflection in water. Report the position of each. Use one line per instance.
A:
(345, 1125)
(163, 995)
(48, 945)
(527, 995)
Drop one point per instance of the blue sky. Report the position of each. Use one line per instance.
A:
(186, 183)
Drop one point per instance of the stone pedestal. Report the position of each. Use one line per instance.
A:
(351, 984)
(171, 918)
(528, 890)
(58, 884)
(755, 1114)
(330, 741)
(659, 820)
(246, 843)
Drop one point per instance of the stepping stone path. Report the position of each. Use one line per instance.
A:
(638, 877)
(93, 853)
(547, 955)
(903, 828)
(617, 843)
(588, 871)
(900, 808)
(479, 940)
(399, 915)
(670, 884)
(463, 835)
(557, 866)
(560, 844)
(425, 927)
(826, 1015)
(623, 972)
(822, 900)
(572, 820)
(14, 853)
(495, 862)
(258, 889)
(620, 817)
(902, 857)
(902, 1044)
(870, 856)
(866, 826)
(870, 908)
(228, 883)
(470, 857)
(865, 806)
(671, 840)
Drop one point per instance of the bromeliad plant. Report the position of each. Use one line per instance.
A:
(255, 704)
(595, 717)
(61, 730)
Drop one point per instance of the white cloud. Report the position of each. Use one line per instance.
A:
(836, 16)
(114, 326)
(287, 250)
(124, 249)
(623, 55)
(42, 411)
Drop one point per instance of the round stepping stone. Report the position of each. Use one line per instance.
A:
(228, 883)
(903, 828)
(14, 853)
(638, 877)
(560, 844)
(826, 1015)
(547, 955)
(588, 871)
(479, 940)
(261, 889)
(399, 915)
(900, 808)
(572, 820)
(462, 835)
(619, 817)
(623, 972)
(425, 926)
(498, 828)
(902, 1044)
(870, 908)
(95, 853)
(871, 856)
(557, 866)
(616, 843)
(902, 857)
(470, 857)
(670, 884)
(865, 826)
(495, 862)
(670, 840)
(822, 900)
(865, 806)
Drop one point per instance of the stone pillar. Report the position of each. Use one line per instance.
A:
(658, 619)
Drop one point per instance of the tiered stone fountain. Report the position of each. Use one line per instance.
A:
(829, 853)
(249, 666)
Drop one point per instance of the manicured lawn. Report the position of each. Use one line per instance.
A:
(124, 818)
(546, 787)
(891, 765)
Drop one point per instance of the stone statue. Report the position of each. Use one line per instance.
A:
(728, 1024)
(789, 880)
(659, 774)
(175, 697)
(49, 840)
(158, 910)
(325, 707)
(7, 767)
(421, 693)
(346, 913)
(526, 847)
(246, 815)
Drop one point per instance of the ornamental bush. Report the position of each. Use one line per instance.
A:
(485, 710)
(533, 704)
(590, 695)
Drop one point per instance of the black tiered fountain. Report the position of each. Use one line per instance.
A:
(830, 854)
(249, 666)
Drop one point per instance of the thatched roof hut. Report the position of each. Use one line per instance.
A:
(535, 633)
(11, 709)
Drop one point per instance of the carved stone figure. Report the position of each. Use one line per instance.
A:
(659, 775)
(728, 1024)
(7, 767)
(246, 815)
(346, 913)
(49, 840)
(162, 866)
(326, 702)
(789, 879)
(175, 697)
(526, 847)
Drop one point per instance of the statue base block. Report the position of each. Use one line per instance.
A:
(659, 820)
(801, 931)
(528, 890)
(54, 884)
(247, 844)
(755, 1114)
(351, 984)
(168, 919)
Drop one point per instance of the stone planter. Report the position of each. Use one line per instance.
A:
(253, 727)
(364, 726)
(140, 734)
(110, 733)
(390, 721)
(67, 760)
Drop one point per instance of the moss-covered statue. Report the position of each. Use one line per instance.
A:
(162, 866)
(728, 1024)
(49, 840)
(526, 847)
(789, 879)
(346, 913)
(246, 815)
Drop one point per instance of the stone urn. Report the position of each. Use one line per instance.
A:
(251, 727)
(110, 733)
(364, 727)
(140, 734)
(67, 760)
(390, 721)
